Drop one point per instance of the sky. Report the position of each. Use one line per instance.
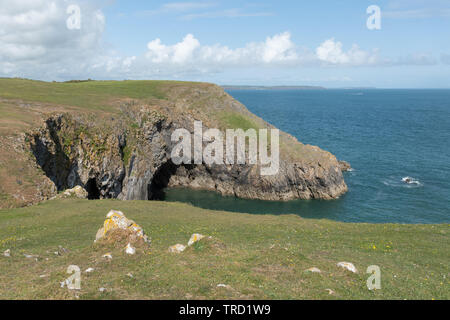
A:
(331, 43)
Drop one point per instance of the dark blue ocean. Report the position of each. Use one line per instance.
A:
(386, 135)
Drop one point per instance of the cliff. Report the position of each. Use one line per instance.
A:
(114, 139)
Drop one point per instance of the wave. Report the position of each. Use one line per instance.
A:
(405, 182)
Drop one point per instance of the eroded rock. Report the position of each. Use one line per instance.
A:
(117, 227)
(76, 192)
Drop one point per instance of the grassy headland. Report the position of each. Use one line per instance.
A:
(259, 256)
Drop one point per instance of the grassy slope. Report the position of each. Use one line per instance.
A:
(265, 256)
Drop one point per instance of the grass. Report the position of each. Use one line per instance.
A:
(238, 121)
(256, 256)
(92, 95)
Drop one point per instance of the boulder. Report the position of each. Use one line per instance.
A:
(118, 227)
(77, 192)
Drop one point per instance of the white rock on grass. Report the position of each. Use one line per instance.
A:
(195, 238)
(178, 248)
(330, 291)
(77, 192)
(107, 256)
(7, 253)
(313, 270)
(102, 289)
(89, 270)
(130, 249)
(348, 265)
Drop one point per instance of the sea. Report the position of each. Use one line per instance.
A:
(396, 140)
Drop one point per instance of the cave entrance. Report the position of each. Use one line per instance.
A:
(92, 189)
(160, 181)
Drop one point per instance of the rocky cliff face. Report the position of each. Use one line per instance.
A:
(128, 156)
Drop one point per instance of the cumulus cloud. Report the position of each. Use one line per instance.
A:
(36, 43)
(276, 49)
(331, 52)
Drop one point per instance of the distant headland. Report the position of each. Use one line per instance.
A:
(231, 87)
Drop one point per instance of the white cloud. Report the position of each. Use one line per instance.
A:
(35, 43)
(278, 48)
(35, 40)
(331, 52)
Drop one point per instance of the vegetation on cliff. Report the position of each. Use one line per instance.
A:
(113, 138)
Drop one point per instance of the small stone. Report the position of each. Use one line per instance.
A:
(226, 286)
(7, 253)
(130, 249)
(313, 270)
(28, 256)
(195, 238)
(347, 265)
(102, 289)
(89, 270)
(178, 248)
(130, 275)
(107, 256)
(330, 291)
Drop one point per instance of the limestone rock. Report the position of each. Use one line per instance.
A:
(195, 238)
(7, 253)
(77, 192)
(178, 248)
(306, 172)
(117, 221)
(347, 265)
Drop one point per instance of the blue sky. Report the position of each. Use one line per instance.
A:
(235, 42)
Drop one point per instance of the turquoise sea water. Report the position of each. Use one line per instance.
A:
(386, 135)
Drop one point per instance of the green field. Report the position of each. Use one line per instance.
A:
(255, 256)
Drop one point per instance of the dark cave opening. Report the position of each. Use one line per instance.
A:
(160, 181)
(92, 189)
